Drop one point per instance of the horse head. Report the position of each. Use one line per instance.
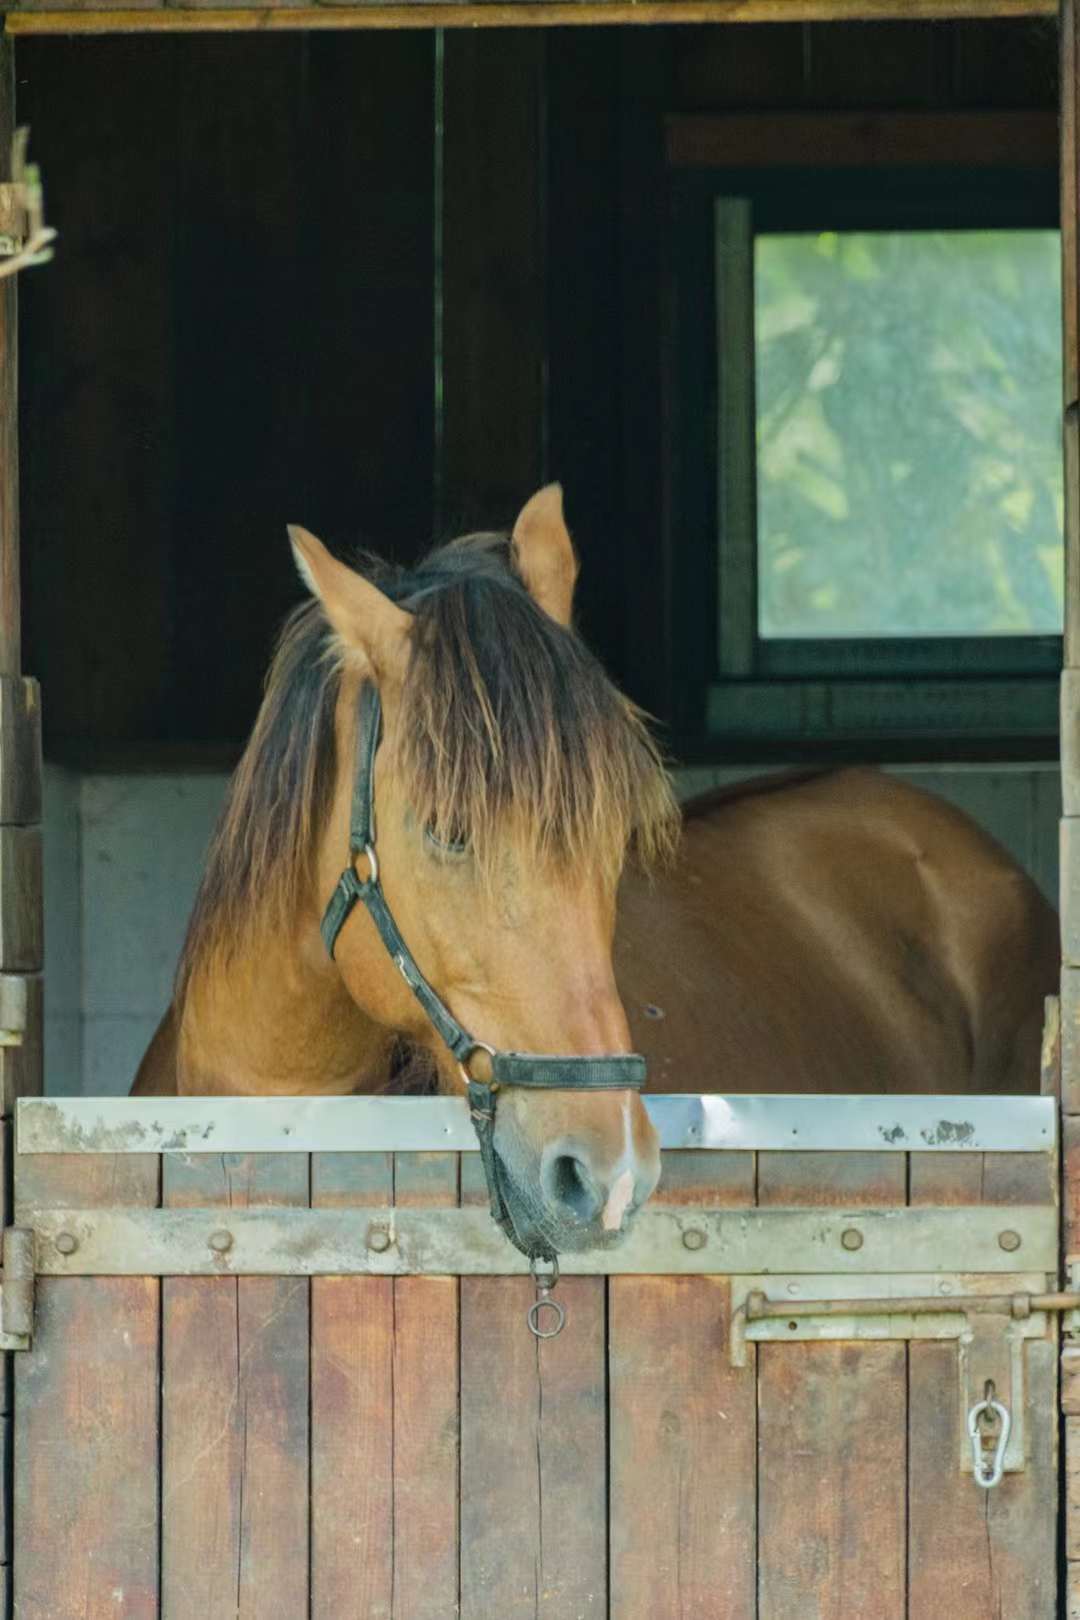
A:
(508, 779)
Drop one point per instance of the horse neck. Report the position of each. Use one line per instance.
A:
(276, 1018)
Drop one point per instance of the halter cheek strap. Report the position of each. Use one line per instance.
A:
(618, 1072)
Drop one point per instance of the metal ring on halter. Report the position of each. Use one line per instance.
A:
(545, 1274)
(368, 852)
(533, 1318)
(463, 1065)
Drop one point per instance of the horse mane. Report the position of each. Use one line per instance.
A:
(508, 724)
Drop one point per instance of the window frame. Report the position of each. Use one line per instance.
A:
(839, 172)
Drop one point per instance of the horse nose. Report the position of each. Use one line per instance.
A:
(574, 1185)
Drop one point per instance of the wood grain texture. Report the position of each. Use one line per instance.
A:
(1069, 83)
(971, 1552)
(10, 602)
(867, 139)
(20, 750)
(425, 1416)
(832, 1508)
(494, 276)
(86, 1423)
(533, 1449)
(525, 14)
(352, 1411)
(234, 1412)
(21, 925)
(682, 1428)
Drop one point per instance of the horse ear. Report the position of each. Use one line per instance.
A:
(365, 619)
(544, 553)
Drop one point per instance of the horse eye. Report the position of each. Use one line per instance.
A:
(456, 844)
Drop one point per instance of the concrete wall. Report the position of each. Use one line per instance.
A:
(123, 856)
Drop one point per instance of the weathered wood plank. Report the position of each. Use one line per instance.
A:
(533, 1448)
(234, 1412)
(10, 603)
(352, 1411)
(21, 925)
(494, 257)
(862, 139)
(86, 1424)
(425, 1383)
(20, 751)
(682, 1428)
(1070, 247)
(970, 1551)
(504, 14)
(831, 1533)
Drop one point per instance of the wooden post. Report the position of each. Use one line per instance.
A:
(1070, 768)
(20, 805)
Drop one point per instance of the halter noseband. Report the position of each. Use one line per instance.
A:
(618, 1072)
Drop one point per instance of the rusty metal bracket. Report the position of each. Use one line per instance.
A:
(989, 1324)
(25, 239)
(17, 1289)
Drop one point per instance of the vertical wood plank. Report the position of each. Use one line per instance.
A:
(234, 1412)
(98, 328)
(352, 1411)
(425, 1383)
(367, 262)
(970, 1551)
(494, 404)
(533, 1448)
(831, 1531)
(682, 1427)
(1070, 244)
(86, 1416)
(10, 604)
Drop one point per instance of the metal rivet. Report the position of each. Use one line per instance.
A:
(66, 1242)
(694, 1238)
(220, 1242)
(793, 1288)
(1008, 1241)
(379, 1239)
(852, 1238)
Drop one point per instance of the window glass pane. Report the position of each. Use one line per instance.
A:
(909, 433)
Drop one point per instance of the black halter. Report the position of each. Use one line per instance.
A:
(624, 1071)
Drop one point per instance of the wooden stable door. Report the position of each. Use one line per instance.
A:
(363, 1446)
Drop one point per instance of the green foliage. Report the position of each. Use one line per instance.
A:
(909, 433)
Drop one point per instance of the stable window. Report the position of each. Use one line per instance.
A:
(882, 438)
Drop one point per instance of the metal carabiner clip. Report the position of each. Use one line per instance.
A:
(988, 1469)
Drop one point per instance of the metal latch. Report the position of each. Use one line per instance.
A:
(17, 1289)
(989, 1331)
(25, 239)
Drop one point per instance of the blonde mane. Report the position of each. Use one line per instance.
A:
(509, 727)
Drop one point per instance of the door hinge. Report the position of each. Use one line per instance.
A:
(17, 1289)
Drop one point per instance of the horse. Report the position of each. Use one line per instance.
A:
(837, 932)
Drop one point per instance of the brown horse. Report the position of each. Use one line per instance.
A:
(841, 933)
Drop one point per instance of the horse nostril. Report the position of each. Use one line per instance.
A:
(570, 1185)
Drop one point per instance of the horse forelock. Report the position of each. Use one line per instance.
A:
(508, 728)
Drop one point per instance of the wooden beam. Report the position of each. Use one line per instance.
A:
(861, 139)
(528, 14)
(10, 645)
